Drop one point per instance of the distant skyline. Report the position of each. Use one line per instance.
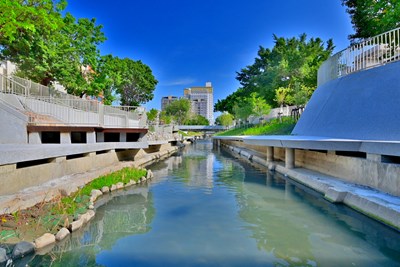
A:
(188, 43)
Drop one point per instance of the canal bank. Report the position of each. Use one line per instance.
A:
(84, 170)
(370, 201)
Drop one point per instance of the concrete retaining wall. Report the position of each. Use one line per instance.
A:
(368, 172)
(13, 126)
(15, 178)
(363, 105)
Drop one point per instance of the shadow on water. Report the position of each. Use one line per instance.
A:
(208, 208)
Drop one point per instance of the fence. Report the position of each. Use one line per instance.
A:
(47, 105)
(372, 52)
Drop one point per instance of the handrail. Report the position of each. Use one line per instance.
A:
(69, 109)
(372, 52)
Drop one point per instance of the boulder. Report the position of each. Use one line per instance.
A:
(120, 185)
(22, 249)
(63, 233)
(113, 187)
(105, 189)
(45, 240)
(3, 256)
(76, 225)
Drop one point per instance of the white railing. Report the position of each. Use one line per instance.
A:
(372, 52)
(47, 105)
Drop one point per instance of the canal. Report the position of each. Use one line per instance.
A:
(207, 208)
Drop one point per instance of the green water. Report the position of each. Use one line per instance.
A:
(206, 208)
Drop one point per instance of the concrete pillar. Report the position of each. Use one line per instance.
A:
(122, 137)
(270, 154)
(91, 137)
(289, 158)
(374, 157)
(100, 137)
(34, 138)
(65, 138)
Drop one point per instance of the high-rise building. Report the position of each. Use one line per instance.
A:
(201, 99)
(166, 100)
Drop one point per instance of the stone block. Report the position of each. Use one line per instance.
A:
(335, 195)
(63, 233)
(76, 225)
(105, 190)
(3, 256)
(22, 249)
(45, 240)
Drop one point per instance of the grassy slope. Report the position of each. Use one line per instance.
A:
(273, 127)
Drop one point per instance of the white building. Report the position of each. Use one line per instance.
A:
(202, 101)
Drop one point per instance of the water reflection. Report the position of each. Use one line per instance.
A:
(123, 213)
(302, 229)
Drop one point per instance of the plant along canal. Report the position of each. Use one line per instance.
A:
(206, 208)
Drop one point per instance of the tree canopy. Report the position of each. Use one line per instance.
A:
(179, 110)
(371, 17)
(292, 63)
(225, 119)
(49, 46)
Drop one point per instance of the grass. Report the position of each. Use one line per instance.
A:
(273, 127)
(51, 216)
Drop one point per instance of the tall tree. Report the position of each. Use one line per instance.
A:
(179, 110)
(225, 119)
(372, 17)
(292, 61)
(47, 46)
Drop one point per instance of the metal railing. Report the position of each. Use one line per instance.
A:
(47, 105)
(372, 52)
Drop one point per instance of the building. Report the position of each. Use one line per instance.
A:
(166, 100)
(202, 101)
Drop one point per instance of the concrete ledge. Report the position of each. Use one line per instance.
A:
(373, 203)
(10, 154)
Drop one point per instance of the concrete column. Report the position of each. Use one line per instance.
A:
(122, 137)
(374, 157)
(91, 137)
(100, 137)
(289, 158)
(270, 154)
(34, 138)
(65, 138)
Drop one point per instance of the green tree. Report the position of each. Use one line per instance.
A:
(164, 118)
(152, 115)
(225, 119)
(291, 61)
(196, 119)
(47, 46)
(371, 17)
(178, 110)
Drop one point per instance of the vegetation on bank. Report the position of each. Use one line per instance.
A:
(50, 216)
(273, 127)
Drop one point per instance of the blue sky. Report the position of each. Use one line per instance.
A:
(189, 42)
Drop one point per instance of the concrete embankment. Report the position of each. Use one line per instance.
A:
(67, 184)
(373, 203)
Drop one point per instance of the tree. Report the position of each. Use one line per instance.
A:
(371, 17)
(152, 115)
(48, 47)
(164, 118)
(178, 110)
(225, 119)
(196, 119)
(291, 61)
(132, 80)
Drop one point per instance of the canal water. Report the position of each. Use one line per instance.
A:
(207, 208)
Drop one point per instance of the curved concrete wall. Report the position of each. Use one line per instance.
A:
(364, 105)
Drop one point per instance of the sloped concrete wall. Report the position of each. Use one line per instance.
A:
(13, 126)
(364, 105)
